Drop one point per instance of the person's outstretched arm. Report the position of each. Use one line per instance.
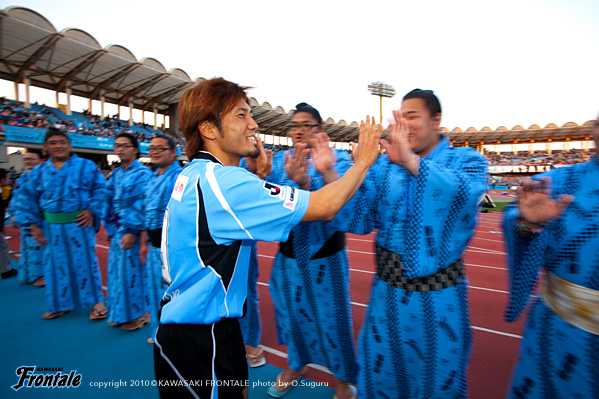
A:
(327, 201)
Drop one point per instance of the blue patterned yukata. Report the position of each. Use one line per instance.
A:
(309, 285)
(414, 343)
(70, 262)
(557, 359)
(124, 214)
(31, 266)
(157, 193)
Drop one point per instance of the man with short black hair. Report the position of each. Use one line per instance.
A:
(422, 196)
(125, 222)
(61, 200)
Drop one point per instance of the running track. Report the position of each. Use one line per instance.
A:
(496, 342)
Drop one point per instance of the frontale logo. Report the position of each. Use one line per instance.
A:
(28, 379)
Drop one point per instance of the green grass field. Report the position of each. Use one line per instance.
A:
(500, 206)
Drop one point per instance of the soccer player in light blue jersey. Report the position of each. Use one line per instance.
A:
(216, 212)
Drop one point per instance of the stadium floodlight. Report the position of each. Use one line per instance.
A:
(382, 90)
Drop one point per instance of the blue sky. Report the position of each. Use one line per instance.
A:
(491, 63)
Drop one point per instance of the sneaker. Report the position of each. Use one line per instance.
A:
(9, 273)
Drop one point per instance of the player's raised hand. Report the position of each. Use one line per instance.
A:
(367, 149)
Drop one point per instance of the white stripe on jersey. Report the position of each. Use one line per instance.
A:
(219, 195)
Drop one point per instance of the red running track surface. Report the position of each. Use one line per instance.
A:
(496, 343)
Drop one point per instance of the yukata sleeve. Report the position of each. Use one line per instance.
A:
(133, 221)
(243, 207)
(96, 195)
(358, 216)
(444, 201)
(26, 203)
(525, 258)
(108, 207)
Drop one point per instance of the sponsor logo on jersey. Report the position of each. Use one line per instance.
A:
(274, 190)
(290, 199)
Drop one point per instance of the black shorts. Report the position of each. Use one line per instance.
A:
(200, 361)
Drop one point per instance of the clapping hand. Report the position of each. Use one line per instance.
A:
(398, 145)
(536, 203)
(296, 166)
(324, 157)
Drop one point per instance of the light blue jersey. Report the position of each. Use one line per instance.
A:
(214, 215)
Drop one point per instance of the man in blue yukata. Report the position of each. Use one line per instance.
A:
(125, 221)
(422, 196)
(554, 228)
(157, 192)
(60, 202)
(31, 265)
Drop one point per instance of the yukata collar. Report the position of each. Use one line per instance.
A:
(441, 146)
(51, 164)
(173, 165)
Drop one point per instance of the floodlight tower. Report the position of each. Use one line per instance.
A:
(382, 90)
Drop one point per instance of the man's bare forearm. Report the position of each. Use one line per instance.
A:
(327, 201)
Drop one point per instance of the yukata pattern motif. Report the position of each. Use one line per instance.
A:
(157, 194)
(311, 297)
(557, 359)
(418, 344)
(70, 262)
(124, 214)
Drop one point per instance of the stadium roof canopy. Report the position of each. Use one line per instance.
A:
(73, 60)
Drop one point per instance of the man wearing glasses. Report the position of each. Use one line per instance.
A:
(310, 277)
(124, 219)
(157, 193)
(60, 201)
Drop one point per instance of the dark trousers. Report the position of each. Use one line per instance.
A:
(200, 361)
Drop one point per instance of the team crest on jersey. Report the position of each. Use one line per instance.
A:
(180, 187)
(274, 190)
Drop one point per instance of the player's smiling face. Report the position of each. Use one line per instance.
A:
(237, 137)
